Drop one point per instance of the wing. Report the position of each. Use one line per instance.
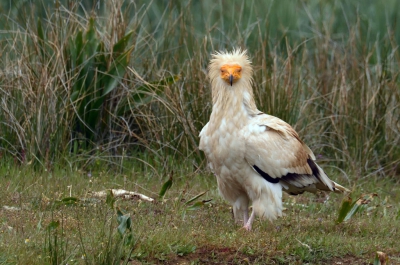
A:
(203, 138)
(204, 145)
(275, 151)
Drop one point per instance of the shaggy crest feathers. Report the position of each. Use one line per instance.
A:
(254, 156)
(240, 57)
(237, 56)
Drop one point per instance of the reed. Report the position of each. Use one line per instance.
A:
(126, 81)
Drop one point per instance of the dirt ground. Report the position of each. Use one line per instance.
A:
(215, 255)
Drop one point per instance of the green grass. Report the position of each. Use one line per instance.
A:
(170, 231)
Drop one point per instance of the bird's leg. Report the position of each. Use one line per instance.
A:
(249, 222)
(245, 216)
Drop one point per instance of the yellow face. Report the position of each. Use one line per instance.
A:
(231, 73)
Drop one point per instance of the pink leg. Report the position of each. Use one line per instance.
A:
(245, 216)
(249, 222)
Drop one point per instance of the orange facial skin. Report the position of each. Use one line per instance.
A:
(231, 73)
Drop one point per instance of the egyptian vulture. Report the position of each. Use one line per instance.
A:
(254, 155)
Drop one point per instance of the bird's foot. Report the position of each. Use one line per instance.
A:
(248, 222)
(247, 227)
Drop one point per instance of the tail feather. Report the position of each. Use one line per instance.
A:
(337, 188)
(333, 186)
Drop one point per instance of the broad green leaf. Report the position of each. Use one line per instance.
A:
(40, 30)
(76, 147)
(122, 227)
(70, 51)
(119, 214)
(42, 36)
(348, 210)
(91, 40)
(121, 45)
(76, 65)
(128, 239)
(344, 209)
(74, 95)
(91, 44)
(116, 72)
(124, 221)
(354, 208)
(198, 205)
(196, 197)
(78, 48)
(376, 260)
(69, 201)
(93, 111)
(96, 72)
(101, 59)
(110, 200)
(167, 185)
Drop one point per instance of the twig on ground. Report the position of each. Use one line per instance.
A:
(122, 193)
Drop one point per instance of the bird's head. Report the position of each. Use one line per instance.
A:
(231, 81)
(230, 68)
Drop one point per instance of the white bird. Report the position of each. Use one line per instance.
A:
(254, 155)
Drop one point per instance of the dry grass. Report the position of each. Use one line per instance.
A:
(168, 232)
(332, 75)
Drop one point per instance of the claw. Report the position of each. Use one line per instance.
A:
(247, 227)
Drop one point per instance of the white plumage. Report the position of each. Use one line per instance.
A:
(254, 155)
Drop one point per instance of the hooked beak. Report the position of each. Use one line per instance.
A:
(231, 79)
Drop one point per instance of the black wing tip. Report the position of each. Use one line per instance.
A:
(265, 175)
(314, 168)
(290, 176)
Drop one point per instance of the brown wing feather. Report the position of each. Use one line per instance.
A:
(279, 152)
(276, 148)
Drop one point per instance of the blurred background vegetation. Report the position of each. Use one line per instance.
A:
(123, 84)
